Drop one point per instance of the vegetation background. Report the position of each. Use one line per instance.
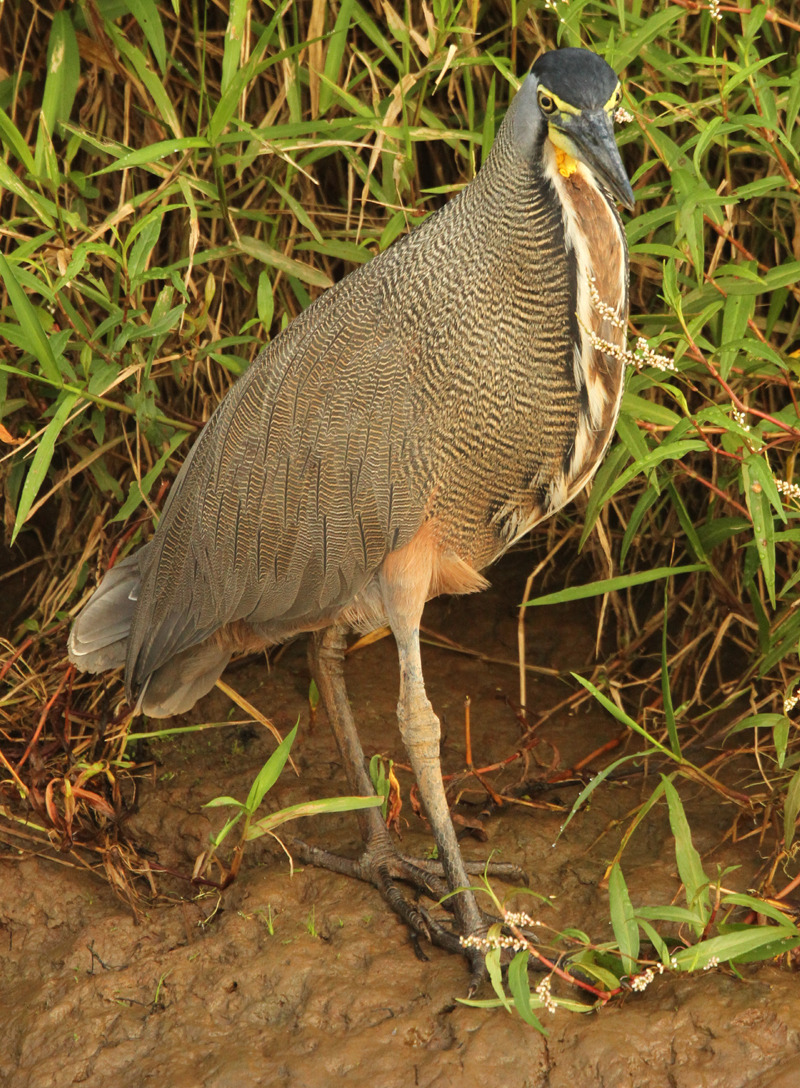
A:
(179, 180)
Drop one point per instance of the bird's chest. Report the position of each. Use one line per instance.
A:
(552, 413)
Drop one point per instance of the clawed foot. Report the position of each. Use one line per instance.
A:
(384, 867)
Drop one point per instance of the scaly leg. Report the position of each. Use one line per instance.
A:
(421, 733)
(381, 864)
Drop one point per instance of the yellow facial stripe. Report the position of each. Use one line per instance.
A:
(614, 100)
(561, 105)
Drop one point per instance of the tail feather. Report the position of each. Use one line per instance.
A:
(99, 637)
(176, 686)
(99, 641)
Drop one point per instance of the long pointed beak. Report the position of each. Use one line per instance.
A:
(592, 133)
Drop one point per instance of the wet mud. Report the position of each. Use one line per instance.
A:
(306, 980)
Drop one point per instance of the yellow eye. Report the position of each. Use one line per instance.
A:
(546, 103)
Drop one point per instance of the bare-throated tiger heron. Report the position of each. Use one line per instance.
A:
(391, 443)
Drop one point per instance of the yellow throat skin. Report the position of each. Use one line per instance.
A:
(565, 157)
(565, 162)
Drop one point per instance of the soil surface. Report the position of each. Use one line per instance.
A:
(307, 980)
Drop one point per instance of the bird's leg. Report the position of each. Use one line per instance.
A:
(380, 864)
(421, 733)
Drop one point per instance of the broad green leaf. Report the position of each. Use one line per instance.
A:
(600, 974)
(759, 469)
(654, 937)
(270, 772)
(668, 913)
(780, 738)
(760, 906)
(690, 866)
(61, 84)
(770, 950)
(758, 721)
(623, 920)
(758, 504)
(718, 530)
(728, 947)
(265, 301)
(648, 410)
(225, 802)
(520, 988)
(493, 967)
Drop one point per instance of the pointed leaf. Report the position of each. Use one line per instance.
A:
(146, 15)
(41, 460)
(623, 922)
(690, 867)
(27, 314)
(269, 773)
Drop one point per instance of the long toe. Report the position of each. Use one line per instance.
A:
(504, 870)
(385, 868)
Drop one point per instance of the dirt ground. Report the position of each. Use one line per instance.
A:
(306, 980)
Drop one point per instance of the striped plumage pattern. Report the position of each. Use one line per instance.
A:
(449, 383)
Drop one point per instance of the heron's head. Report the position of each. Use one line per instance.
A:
(576, 95)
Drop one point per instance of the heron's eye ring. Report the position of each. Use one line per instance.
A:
(546, 103)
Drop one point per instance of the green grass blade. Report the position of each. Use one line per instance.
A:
(273, 257)
(335, 55)
(146, 15)
(146, 156)
(309, 808)
(791, 809)
(13, 140)
(137, 494)
(27, 314)
(41, 461)
(597, 779)
(666, 692)
(611, 585)
(233, 42)
(270, 772)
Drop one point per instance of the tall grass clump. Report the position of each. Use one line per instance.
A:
(178, 181)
